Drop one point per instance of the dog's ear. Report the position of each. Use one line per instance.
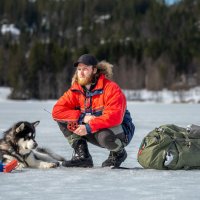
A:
(20, 128)
(35, 123)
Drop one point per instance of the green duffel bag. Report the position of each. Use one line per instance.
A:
(171, 147)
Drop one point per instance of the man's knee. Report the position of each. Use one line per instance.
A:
(109, 140)
(105, 137)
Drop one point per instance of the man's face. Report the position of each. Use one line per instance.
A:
(85, 74)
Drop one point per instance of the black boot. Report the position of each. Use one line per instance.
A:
(81, 157)
(115, 158)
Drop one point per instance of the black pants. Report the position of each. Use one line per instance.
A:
(112, 139)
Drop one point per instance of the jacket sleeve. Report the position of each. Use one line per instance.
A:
(114, 109)
(66, 108)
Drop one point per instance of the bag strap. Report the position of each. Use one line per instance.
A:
(187, 139)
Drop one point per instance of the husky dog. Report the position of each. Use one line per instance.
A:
(19, 143)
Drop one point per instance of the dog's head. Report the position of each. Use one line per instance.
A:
(24, 136)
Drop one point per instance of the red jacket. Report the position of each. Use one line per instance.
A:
(106, 101)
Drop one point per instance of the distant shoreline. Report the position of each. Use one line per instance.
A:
(163, 96)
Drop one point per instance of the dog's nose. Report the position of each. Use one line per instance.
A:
(35, 145)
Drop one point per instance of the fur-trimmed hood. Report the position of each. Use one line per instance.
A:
(103, 67)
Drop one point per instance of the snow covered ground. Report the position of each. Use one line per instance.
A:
(98, 183)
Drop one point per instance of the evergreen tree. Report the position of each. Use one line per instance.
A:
(152, 44)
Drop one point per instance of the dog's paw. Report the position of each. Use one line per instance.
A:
(20, 166)
(46, 165)
(54, 165)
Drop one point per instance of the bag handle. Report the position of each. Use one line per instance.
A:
(187, 139)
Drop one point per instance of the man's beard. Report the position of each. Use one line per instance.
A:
(86, 80)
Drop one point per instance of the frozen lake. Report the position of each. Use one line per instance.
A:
(99, 183)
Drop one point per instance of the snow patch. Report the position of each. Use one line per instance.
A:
(4, 93)
(10, 28)
(165, 96)
(101, 19)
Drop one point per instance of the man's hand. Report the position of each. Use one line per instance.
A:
(81, 130)
(87, 118)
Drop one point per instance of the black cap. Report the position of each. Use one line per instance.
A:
(86, 59)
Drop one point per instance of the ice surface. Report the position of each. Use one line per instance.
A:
(99, 183)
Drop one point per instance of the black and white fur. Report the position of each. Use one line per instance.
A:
(19, 143)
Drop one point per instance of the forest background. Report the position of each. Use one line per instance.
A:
(152, 45)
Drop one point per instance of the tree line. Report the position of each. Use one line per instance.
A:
(152, 45)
